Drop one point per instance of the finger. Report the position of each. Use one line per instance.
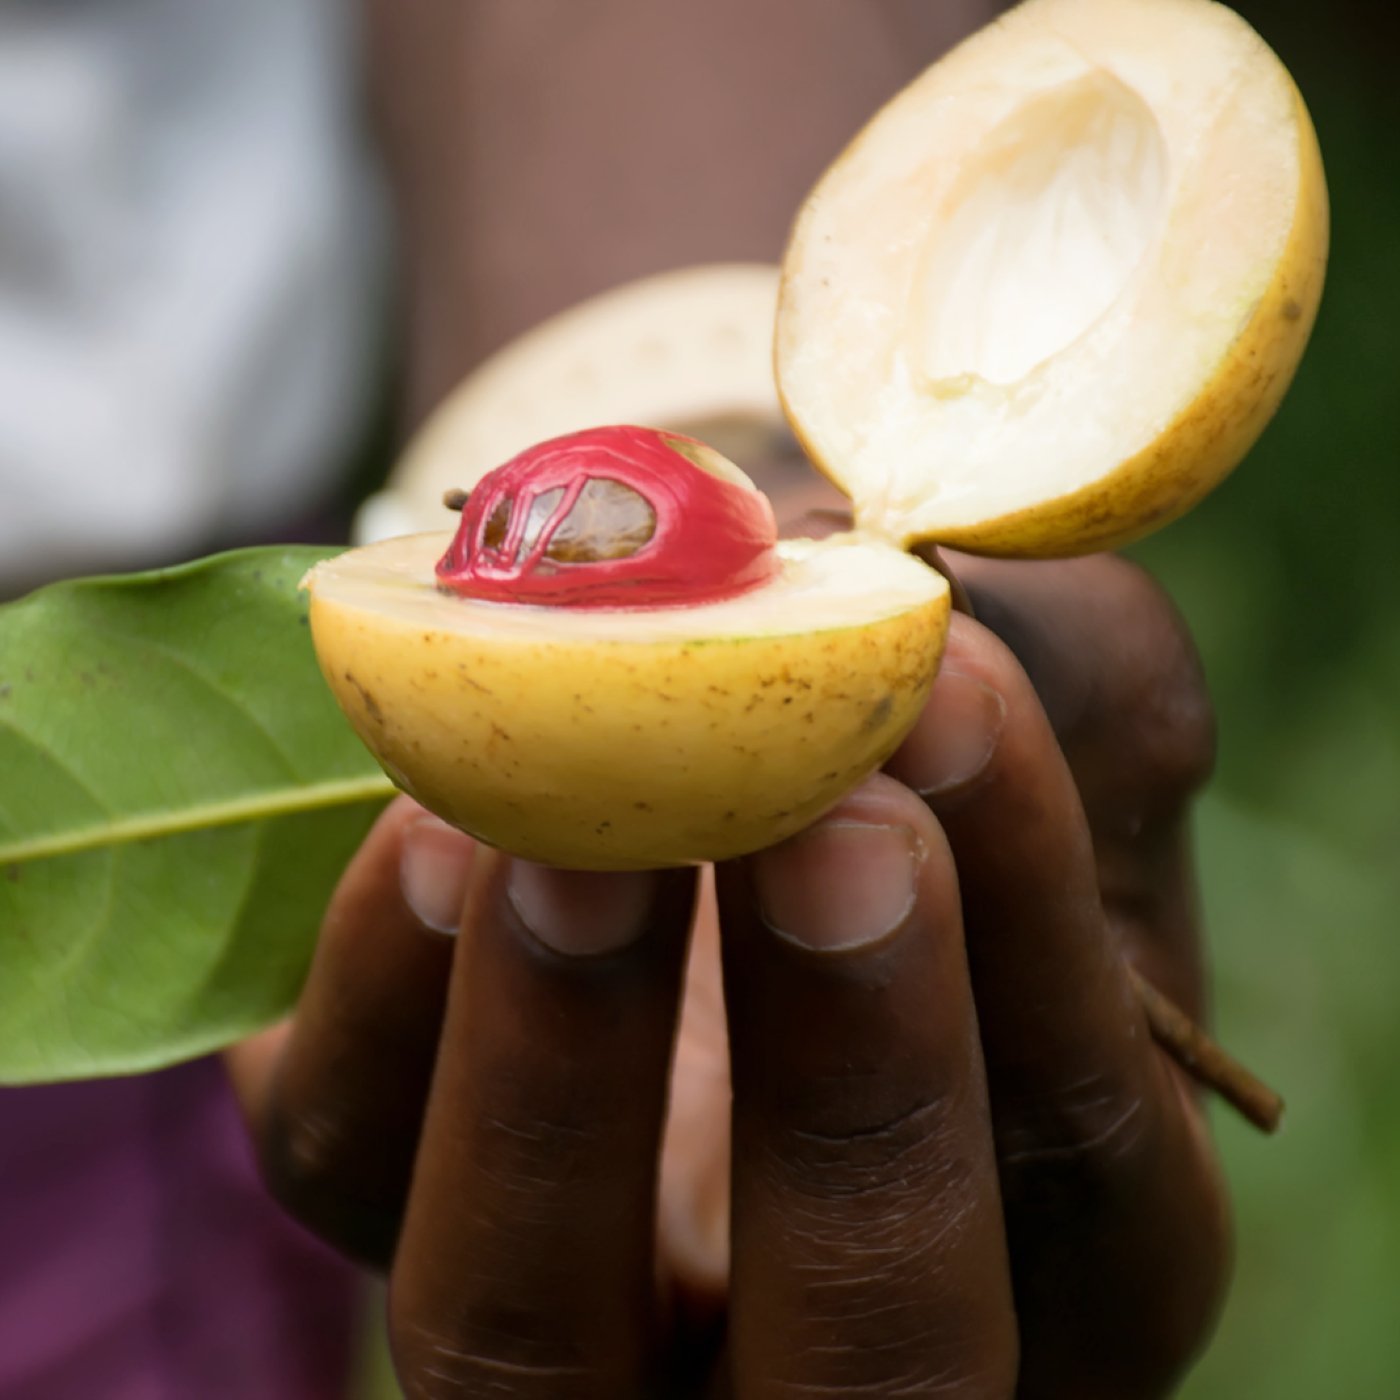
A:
(251, 1064)
(869, 1255)
(1115, 670)
(526, 1264)
(1111, 1194)
(335, 1100)
(1106, 651)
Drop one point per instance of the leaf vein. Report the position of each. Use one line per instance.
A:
(274, 802)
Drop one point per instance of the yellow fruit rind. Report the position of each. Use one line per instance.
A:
(629, 755)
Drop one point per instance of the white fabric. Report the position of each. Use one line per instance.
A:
(189, 249)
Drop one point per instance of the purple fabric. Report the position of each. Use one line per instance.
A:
(141, 1260)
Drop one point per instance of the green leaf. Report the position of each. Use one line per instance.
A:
(180, 794)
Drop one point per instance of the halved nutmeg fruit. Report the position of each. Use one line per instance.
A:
(616, 664)
(1041, 305)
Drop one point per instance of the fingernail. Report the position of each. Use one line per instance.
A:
(841, 884)
(582, 913)
(953, 743)
(434, 868)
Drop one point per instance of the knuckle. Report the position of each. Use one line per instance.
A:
(322, 1168)
(994, 1380)
(888, 1197)
(1172, 1226)
(884, 1330)
(535, 1151)
(1172, 729)
(1083, 1140)
(464, 1357)
(878, 1195)
(840, 1155)
(1154, 707)
(305, 1155)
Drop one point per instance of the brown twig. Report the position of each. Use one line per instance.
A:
(1204, 1060)
(929, 554)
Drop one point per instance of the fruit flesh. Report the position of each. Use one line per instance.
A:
(1055, 290)
(627, 740)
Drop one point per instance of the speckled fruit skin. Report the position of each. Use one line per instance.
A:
(629, 755)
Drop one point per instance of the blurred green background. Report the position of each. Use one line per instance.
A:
(1289, 578)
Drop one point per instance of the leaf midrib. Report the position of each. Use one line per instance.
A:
(204, 816)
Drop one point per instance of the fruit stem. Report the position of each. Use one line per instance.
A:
(455, 498)
(928, 554)
(1205, 1061)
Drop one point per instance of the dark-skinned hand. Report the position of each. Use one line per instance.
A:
(959, 1164)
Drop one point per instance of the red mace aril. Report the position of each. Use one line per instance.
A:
(616, 517)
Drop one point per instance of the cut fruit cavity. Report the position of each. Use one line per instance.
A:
(1055, 290)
